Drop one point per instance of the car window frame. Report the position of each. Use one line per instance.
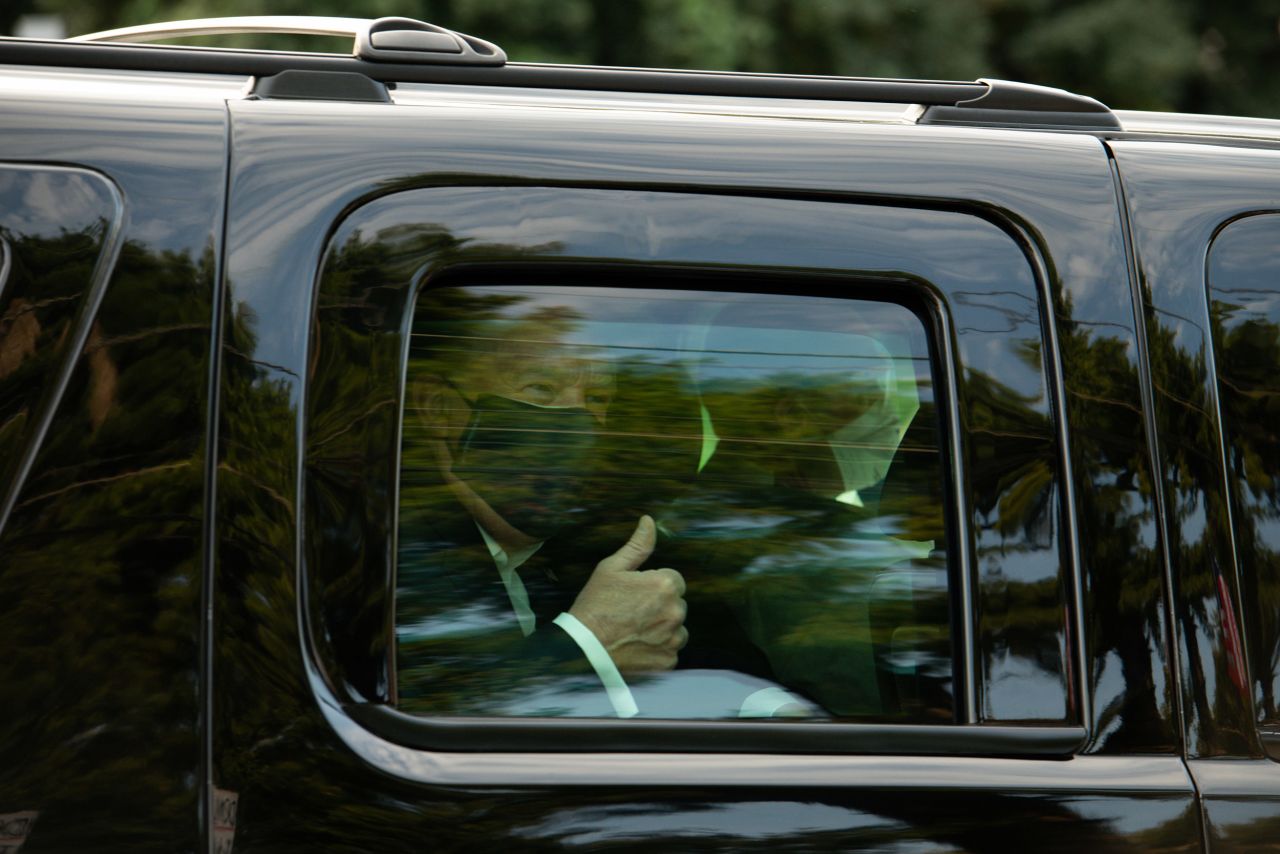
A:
(966, 737)
(1243, 627)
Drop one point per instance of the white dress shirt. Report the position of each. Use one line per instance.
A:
(619, 694)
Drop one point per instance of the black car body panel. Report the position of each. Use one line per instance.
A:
(202, 378)
(105, 474)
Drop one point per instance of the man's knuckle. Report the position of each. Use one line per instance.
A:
(670, 582)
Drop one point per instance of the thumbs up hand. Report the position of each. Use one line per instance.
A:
(637, 615)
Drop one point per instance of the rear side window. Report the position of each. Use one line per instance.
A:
(58, 228)
(781, 453)
(1244, 289)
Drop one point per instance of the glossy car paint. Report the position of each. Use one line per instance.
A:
(1244, 304)
(1239, 786)
(119, 520)
(101, 557)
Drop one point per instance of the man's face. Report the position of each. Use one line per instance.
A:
(528, 445)
(550, 376)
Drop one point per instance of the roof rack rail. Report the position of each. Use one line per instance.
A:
(1010, 104)
(315, 25)
(402, 50)
(376, 40)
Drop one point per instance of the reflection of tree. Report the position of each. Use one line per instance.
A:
(47, 280)
(1117, 521)
(862, 819)
(1199, 534)
(1013, 482)
(1115, 514)
(100, 561)
(257, 649)
(1247, 348)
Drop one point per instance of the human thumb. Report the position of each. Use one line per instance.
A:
(634, 551)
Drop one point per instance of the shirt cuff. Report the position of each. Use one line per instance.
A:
(624, 705)
(773, 702)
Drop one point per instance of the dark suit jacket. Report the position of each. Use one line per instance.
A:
(789, 576)
(460, 649)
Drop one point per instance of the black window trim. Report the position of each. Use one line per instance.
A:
(111, 244)
(1081, 692)
(967, 737)
(596, 735)
(1268, 731)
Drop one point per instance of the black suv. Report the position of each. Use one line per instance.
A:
(418, 450)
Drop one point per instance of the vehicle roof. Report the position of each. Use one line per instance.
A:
(69, 78)
(1192, 124)
(1132, 121)
(424, 94)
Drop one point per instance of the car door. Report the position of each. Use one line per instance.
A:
(877, 385)
(111, 189)
(1209, 294)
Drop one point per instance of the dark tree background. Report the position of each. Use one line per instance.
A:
(1189, 55)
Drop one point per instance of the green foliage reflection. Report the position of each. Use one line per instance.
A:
(762, 451)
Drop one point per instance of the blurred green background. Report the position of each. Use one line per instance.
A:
(1189, 55)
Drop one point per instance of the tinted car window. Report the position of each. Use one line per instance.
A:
(55, 226)
(443, 255)
(1244, 288)
(786, 449)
